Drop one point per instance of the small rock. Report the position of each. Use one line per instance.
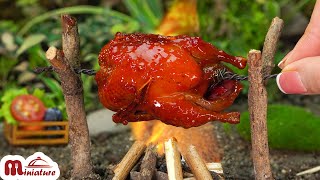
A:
(101, 121)
(283, 171)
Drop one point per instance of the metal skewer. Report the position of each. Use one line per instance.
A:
(223, 74)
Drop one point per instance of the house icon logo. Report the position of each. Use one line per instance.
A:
(35, 167)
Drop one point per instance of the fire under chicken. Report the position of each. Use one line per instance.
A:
(145, 77)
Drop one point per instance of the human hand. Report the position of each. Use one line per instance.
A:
(301, 67)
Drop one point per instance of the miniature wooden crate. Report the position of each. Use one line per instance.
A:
(18, 136)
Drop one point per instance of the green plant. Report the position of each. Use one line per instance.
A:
(289, 127)
(75, 10)
(55, 94)
(149, 13)
(238, 26)
(30, 36)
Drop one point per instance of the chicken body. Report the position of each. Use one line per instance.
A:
(145, 77)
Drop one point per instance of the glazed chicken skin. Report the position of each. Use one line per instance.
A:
(170, 78)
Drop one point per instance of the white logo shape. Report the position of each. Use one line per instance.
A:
(35, 167)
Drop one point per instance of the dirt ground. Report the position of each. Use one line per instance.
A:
(108, 149)
(237, 163)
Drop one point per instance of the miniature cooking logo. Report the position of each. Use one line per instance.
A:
(37, 166)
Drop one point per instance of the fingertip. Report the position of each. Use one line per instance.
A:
(290, 83)
(278, 83)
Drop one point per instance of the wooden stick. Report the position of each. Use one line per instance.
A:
(270, 45)
(148, 165)
(122, 170)
(71, 85)
(215, 167)
(173, 159)
(257, 98)
(196, 164)
(309, 171)
(258, 101)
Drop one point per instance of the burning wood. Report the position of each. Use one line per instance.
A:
(124, 167)
(196, 164)
(173, 159)
(154, 166)
(215, 167)
(148, 165)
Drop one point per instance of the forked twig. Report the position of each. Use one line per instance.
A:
(259, 67)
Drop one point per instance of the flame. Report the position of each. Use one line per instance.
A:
(182, 18)
(156, 132)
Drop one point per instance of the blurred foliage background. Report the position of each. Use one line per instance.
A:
(29, 27)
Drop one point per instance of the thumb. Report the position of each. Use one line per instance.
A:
(301, 77)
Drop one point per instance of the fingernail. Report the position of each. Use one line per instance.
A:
(281, 63)
(290, 83)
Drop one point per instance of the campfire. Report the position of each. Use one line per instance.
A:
(156, 132)
(171, 153)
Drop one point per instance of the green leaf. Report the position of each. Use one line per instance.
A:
(6, 100)
(29, 42)
(54, 87)
(146, 12)
(273, 9)
(38, 93)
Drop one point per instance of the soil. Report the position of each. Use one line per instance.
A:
(237, 163)
(109, 148)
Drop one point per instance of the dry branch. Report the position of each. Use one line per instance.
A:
(173, 159)
(258, 100)
(309, 171)
(215, 167)
(72, 89)
(270, 45)
(122, 170)
(147, 167)
(196, 164)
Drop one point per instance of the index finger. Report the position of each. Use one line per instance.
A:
(309, 43)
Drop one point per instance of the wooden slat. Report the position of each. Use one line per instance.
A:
(41, 132)
(44, 123)
(40, 141)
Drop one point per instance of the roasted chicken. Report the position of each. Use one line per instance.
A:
(170, 78)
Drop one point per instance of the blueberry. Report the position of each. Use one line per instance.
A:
(53, 114)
